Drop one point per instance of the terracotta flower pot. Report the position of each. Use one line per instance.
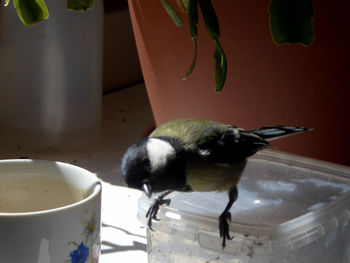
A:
(266, 84)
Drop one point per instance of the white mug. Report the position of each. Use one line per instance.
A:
(56, 232)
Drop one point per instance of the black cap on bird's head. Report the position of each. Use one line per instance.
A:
(154, 165)
(136, 167)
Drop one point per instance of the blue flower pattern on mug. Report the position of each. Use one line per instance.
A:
(80, 255)
(88, 251)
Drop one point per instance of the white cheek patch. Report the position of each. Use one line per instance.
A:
(159, 152)
(236, 134)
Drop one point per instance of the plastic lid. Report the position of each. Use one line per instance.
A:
(285, 199)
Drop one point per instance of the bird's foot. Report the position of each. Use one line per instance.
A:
(224, 228)
(153, 210)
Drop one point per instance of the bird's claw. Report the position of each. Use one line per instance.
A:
(224, 228)
(153, 210)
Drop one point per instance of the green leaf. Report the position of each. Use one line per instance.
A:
(193, 64)
(181, 6)
(210, 18)
(80, 5)
(31, 11)
(220, 66)
(193, 18)
(72, 243)
(186, 4)
(291, 21)
(193, 24)
(212, 25)
(172, 13)
(6, 2)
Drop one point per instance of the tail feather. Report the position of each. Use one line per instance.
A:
(275, 132)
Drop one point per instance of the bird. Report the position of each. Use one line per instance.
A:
(188, 155)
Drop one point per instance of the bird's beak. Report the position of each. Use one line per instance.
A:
(147, 188)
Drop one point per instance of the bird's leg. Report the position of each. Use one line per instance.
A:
(154, 207)
(226, 215)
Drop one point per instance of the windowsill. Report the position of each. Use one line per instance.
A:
(126, 114)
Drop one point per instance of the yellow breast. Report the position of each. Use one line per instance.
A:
(207, 177)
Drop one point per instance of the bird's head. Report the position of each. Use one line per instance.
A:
(154, 165)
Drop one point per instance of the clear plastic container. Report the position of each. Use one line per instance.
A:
(289, 209)
(51, 78)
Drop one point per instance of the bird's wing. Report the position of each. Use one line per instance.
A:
(233, 146)
(213, 141)
(276, 132)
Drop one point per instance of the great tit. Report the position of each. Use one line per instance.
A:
(195, 155)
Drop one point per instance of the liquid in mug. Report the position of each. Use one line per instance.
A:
(18, 195)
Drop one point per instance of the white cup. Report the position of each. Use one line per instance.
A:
(62, 232)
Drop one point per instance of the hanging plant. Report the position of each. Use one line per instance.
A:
(31, 12)
(290, 22)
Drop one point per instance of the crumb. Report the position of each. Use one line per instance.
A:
(250, 251)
